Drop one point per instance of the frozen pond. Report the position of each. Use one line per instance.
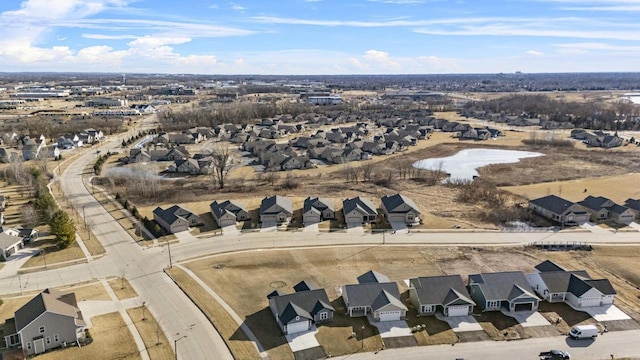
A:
(463, 165)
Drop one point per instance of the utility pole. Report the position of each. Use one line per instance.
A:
(169, 248)
(175, 344)
(143, 308)
(44, 256)
(20, 283)
(84, 216)
(362, 338)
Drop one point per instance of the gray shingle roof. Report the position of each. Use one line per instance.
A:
(633, 204)
(391, 203)
(364, 204)
(372, 276)
(304, 304)
(500, 285)
(385, 298)
(305, 285)
(555, 204)
(594, 202)
(558, 281)
(547, 266)
(219, 209)
(7, 240)
(283, 202)
(440, 289)
(366, 294)
(168, 215)
(319, 204)
(49, 300)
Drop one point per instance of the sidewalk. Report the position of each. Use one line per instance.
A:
(16, 261)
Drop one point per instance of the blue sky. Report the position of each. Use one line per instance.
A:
(320, 36)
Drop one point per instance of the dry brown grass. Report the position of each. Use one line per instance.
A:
(153, 337)
(53, 256)
(122, 288)
(235, 338)
(111, 339)
(91, 291)
(18, 195)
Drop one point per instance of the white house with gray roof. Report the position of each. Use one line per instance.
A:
(315, 210)
(10, 243)
(446, 295)
(400, 209)
(602, 209)
(559, 210)
(175, 219)
(576, 288)
(502, 291)
(376, 295)
(228, 212)
(47, 321)
(359, 211)
(300, 311)
(276, 210)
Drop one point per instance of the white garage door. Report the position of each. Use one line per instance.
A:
(353, 220)
(458, 310)
(591, 302)
(297, 327)
(390, 315)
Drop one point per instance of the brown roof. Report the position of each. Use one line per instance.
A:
(50, 300)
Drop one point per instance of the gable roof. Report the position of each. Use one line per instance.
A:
(391, 203)
(169, 215)
(372, 276)
(364, 205)
(594, 202)
(633, 204)
(283, 202)
(547, 266)
(555, 204)
(303, 303)
(502, 285)
(219, 209)
(305, 285)
(50, 300)
(369, 294)
(446, 289)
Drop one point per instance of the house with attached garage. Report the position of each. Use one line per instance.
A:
(559, 210)
(374, 294)
(228, 212)
(49, 320)
(10, 243)
(633, 204)
(400, 209)
(502, 291)
(576, 288)
(175, 219)
(276, 210)
(315, 210)
(358, 211)
(300, 311)
(446, 295)
(601, 209)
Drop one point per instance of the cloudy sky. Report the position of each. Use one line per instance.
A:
(320, 36)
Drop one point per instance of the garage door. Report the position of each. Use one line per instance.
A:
(524, 307)
(390, 315)
(458, 310)
(353, 220)
(297, 327)
(591, 302)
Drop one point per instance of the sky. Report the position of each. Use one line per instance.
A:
(320, 37)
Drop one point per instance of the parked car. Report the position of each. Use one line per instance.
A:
(584, 332)
(554, 355)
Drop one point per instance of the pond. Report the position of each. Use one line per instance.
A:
(463, 165)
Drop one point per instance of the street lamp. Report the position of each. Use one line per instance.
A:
(143, 308)
(169, 248)
(175, 344)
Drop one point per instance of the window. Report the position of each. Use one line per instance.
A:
(48, 340)
(14, 339)
(493, 304)
(41, 329)
(324, 316)
(297, 318)
(28, 346)
(56, 338)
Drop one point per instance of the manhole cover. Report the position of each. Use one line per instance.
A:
(278, 284)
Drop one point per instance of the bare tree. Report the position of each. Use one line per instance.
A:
(18, 171)
(404, 167)
(272, 176)
(367, 170)
(221, 163)
(42, 159)
(29, 215)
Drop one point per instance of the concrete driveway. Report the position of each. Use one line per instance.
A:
(185, 237)
(528, 319)
(460, 323)
(594, 228)
(635, 225)
(303, 341)
(606, 313)
(313, 228)
(15, 262)
(230, 230)
(355, 228)
(391, 329)
(269, 227)
(399, 228)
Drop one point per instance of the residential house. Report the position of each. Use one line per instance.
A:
(300, 311)
(8, 155)
(358, 211)
(633, 204)
(604, 141)
(602, 209)
(315, 210)
(445, 295)
(374, 294)
(559, 210)
(175, 219)
(276, 210)
(228, 212)
(10, 243)
(576, 288)
(502, 291)
(31, 149)
(400, 209)
(49, 320)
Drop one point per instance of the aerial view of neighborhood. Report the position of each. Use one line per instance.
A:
(161, 202)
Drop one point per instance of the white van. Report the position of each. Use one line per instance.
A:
(583, 332)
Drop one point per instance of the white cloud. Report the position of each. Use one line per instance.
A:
(399, 2)
(236, 7)
(109, 37)
(534, 53)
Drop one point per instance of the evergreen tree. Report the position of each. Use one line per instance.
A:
(61, 226)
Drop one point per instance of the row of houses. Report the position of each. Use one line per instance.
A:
(28, 148)
(376, 296)
(278, 210)
(592, 208)
(597, 138)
